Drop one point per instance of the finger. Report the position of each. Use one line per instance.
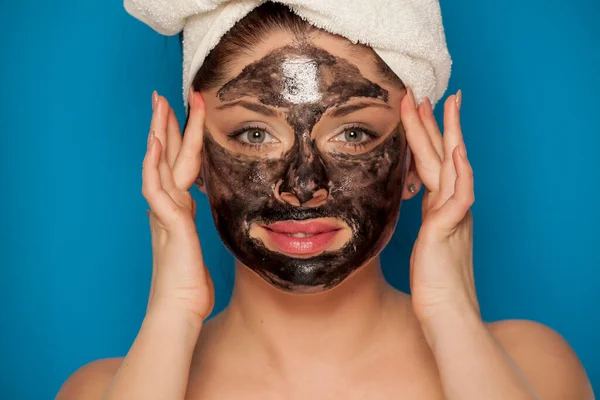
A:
(427, 161)
(187, 165)
(457, 206)
(452, 138)
(431, 125)
(159, 201)
(159, 127)
(452, 130)
(174, 137)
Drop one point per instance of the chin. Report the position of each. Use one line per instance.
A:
(314, 275)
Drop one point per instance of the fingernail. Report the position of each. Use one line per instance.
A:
(411, 97)
(459, 98)
(463, 150)
(154, 99)
(428, 106)
(148, 212)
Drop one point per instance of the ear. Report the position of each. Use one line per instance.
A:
(412, 178)
(200, 184)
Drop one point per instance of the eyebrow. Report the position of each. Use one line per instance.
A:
(349, 109)
(264, 110)
(336, 113)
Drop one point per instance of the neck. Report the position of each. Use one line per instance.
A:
(338, 325)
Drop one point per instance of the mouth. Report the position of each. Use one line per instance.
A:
(302, 238)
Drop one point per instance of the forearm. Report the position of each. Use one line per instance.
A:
(158, 363)
(471, 363)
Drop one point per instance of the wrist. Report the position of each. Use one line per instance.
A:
(174, 315)
(450, 321)
(454, 306)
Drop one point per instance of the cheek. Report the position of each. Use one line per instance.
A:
(375, 175)
(363, 180)
(234, 178)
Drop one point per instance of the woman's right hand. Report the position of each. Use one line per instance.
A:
(171, 166)
(157, 365)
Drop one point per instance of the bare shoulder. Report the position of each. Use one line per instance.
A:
(90, 381)
(545, 358)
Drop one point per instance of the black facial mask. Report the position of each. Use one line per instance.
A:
(364, 190)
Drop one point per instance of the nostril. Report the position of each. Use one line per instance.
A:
(306, 195)
(317, 199)
(283, 196)
(290, 199)
(303, 196)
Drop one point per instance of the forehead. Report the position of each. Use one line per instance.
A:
(303, 73)
(337, 60)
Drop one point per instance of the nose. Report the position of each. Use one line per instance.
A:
(305, 182)
(304, 198)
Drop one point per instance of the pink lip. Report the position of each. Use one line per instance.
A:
(322, 233)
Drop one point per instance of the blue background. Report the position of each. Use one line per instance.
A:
(75, 85)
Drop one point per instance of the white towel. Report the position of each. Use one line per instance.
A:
(407, 34)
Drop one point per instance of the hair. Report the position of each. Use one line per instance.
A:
(251, 30)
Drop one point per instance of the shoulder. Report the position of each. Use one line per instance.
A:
(90, 381)
(545, 358)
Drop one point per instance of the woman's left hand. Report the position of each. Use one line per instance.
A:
(441, 264)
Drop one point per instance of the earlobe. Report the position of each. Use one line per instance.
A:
(411, 188)
(413, 183)
(200, 184)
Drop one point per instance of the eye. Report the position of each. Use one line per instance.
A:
(254, 136)
(354, 135)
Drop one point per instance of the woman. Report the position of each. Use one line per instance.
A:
(305, 145)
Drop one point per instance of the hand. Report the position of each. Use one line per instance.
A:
(441, 264)
(170, 168)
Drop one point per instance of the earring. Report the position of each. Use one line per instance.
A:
(412, 188)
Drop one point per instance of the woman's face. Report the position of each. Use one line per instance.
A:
(305, 160)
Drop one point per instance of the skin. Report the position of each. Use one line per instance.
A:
(359, 188)
(361, 339)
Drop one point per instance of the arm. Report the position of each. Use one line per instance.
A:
(473, 363)
(508, 360)
(181, 294)
(156, 366)
(158, 363)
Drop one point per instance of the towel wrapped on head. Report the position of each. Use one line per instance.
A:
(408, 35)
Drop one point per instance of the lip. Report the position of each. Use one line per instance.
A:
(321, 236)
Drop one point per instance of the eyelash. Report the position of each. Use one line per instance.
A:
(356, 146)
(252, 147)
(258, 147)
